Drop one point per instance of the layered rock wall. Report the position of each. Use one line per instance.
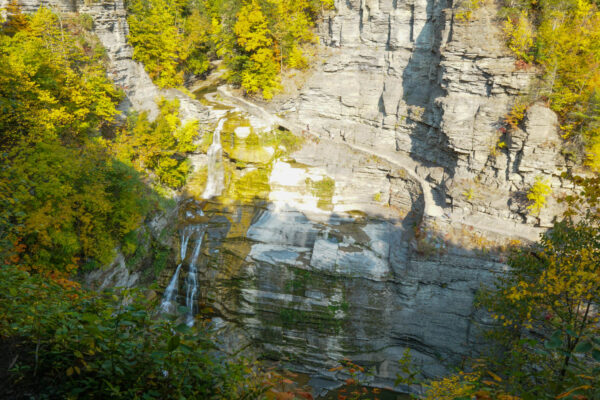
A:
(405, 77)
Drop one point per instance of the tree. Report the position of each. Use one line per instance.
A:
(546, 303)
(260, 68)
(15, 19)
(159, 146)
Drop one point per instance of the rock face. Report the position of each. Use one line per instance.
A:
(325, 252)
(405, 77)
(332, 248)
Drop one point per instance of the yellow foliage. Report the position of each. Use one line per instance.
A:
(566, 39)
(465, 10)
(519, 36)
(538, 194)
(451, 387)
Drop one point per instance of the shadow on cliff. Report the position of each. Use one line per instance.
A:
(268, 270)
(422, 87)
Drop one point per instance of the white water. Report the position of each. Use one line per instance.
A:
(192, 280)
(170, 296)
(216, 173)
(170, 293)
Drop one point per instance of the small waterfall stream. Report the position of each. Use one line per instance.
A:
(192, 279)
(170, 296)
(214, 187)
(216, 173)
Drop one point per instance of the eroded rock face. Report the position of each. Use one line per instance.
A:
(328, 256)
(404, 77)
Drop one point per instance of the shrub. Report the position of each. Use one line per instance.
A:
(538, 194)
(65, 342)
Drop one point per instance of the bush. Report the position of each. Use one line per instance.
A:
(63, 342)
(538, 194)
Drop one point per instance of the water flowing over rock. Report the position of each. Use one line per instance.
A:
(169, 301)
(216, 174)
(170, 294)
(192, 280)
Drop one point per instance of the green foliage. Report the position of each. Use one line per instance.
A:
(63, 201)
(256, 38)
(545, 307)
(66, 205)
(68, 343)
(563, 38)
(538, 194)
(158, 146)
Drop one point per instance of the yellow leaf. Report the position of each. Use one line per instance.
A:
(496, 377)
(565, 394)
(69, 371)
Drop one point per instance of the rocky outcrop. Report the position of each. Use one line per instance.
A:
(406, 78)
(110, 24)
(324, 253)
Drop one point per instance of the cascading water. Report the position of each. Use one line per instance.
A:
(216, 173)
(170, 295)
(192, 280)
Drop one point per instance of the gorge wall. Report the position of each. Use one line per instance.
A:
(407, 78)
(322, 250)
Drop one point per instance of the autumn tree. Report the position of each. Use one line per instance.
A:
(158, 146)
(63, 201)
(260, 68)
(15, 19)
(563, 38)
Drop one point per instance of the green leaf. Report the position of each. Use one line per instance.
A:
(596, 354)
(173, 343)
(583, 347)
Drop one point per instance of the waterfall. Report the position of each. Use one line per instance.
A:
(192, 280)
(216, 173)
(171, 291)
(170, 295)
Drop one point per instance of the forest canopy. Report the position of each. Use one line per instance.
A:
(257, 39)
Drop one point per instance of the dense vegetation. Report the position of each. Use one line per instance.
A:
(72, 179)
(562, 38)
(64, 342)
(158, 147)
(73, 188)
(63, 200)
(257, 39)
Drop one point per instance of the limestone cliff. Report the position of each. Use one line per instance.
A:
(405, 78)
(375, 236)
